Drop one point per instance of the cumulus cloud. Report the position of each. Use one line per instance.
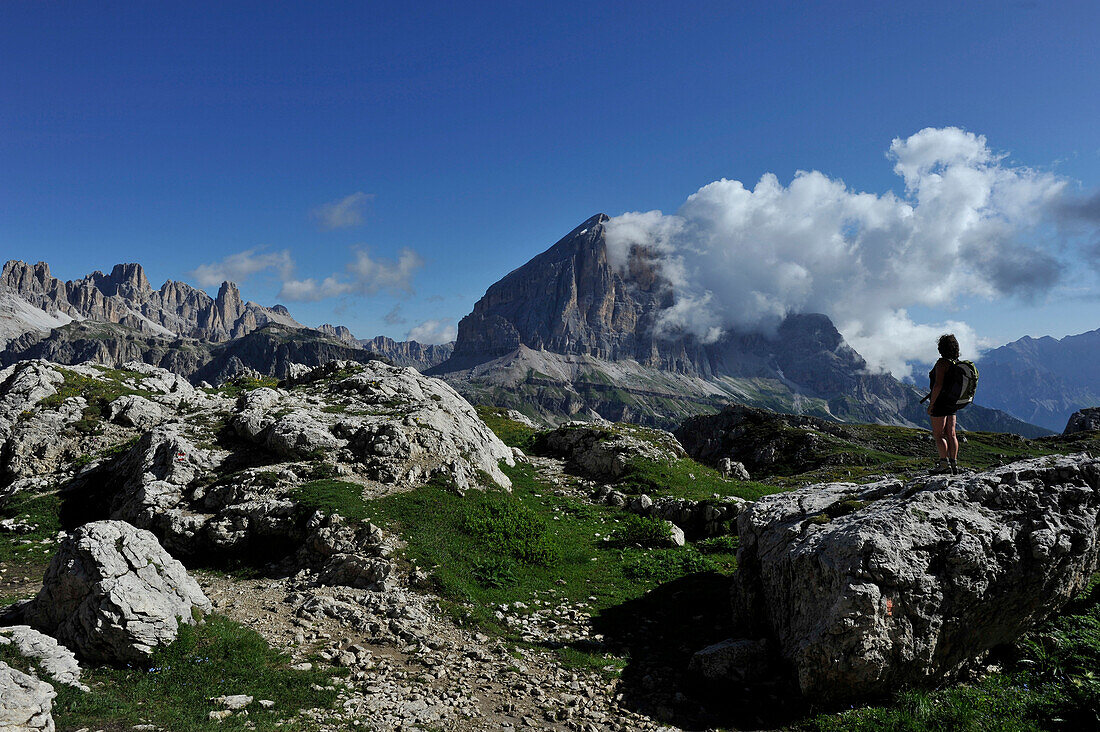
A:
(364, 276)
(432, 332)
(349, 211)
(739, 258)
(242, 265)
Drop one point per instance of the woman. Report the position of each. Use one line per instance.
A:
(942, 405)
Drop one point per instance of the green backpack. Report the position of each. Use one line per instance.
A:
(965, 374)
(962, 380)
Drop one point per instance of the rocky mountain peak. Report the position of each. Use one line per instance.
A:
(22, 277)
(125, 296)
(127, 280)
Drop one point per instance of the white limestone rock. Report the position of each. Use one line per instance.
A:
(113, 594)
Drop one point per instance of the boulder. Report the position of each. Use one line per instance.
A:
(1083, 420)
(605, 452)
(132, 410)
(55, 660)
(113, 594)
(25, 702)
(869, 588)
(732, 469)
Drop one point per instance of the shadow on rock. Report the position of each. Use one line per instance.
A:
(660, 631)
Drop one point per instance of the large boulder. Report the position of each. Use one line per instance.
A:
(868, 588)
(1083, 420)
(113, 594)
(25, 702)
(392, 424)
(605, 452)
(136, 411)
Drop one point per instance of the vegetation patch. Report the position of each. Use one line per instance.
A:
(643, 531)
(41, 511)
(510, 432)
(476, 571)
(332, 496)
(685, 478)
(218, 657)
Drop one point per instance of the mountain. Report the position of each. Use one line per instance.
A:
(268, 350)
(1042, 380)
(401, 353)
(31, 299)
(568, 335)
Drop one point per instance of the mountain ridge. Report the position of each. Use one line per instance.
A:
(125, 296)
(569, 304)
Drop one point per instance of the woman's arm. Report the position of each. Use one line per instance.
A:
(941, 374)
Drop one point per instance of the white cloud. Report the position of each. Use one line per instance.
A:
(365, 276)
(434, 331)
(349, 211)
(240, 266)
(741, 259)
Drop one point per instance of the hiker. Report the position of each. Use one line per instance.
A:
(942, 405)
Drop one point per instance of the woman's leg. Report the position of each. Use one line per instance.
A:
(950, 437)
(937, 435)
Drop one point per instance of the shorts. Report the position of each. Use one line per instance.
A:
(940, 409)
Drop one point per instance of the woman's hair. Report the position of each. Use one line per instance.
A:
(949, 346)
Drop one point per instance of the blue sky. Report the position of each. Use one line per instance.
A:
(177, 134)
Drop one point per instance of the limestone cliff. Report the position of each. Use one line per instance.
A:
(125, 296)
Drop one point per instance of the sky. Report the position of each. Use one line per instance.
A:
(380, 164)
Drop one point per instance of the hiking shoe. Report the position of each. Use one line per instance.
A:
(942, 467)
(954, 467)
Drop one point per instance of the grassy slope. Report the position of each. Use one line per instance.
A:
(219, 657)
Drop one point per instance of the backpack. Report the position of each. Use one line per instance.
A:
(960, 382)
(964, 374)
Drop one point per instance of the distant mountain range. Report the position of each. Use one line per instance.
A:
(31, 299)
(564, 336)
(119, 317)
(1042, 380)
(568, 335)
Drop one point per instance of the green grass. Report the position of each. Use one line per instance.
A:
(641, 530)
(510, 432)
(215, 658)
(43, 509)
(95, 391)
(552, 546)
(333, 496)
(685, 478)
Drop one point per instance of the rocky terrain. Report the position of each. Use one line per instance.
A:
(567, 335)
(355, 546)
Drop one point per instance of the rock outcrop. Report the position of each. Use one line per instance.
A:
(113, 594)
(1083, 420)
(869, 588)
(607, 452)
(55, 660)
(26, 704)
